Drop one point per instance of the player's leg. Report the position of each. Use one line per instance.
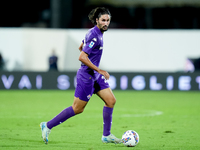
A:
(108, 97)
(83, 92)
(77, 108)
(78, 105)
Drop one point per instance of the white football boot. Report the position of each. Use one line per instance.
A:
(111, 139)
(45, 131)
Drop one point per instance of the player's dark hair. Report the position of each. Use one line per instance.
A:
(97, 12)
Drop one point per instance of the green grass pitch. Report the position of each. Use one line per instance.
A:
(164, 120)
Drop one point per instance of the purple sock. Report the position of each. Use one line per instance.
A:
(61, 117)
(107, 120)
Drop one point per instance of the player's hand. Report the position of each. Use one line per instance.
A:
(104, 73)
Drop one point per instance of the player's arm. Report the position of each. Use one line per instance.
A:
(81, 47)
(84, 59)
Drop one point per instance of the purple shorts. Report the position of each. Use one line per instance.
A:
(87, 85)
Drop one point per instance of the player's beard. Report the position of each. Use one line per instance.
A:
(104, 28)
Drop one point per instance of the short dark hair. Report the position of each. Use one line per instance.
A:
(97, 12)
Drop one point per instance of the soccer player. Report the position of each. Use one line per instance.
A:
(90, 79)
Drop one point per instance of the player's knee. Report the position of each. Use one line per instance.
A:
(78, 110)
(111, 103)
(78, 106)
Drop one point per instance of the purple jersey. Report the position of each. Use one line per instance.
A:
(93, 46)
(88, 80)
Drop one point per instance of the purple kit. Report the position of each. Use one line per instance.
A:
(88, 80)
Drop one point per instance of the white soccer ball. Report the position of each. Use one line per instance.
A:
(130, 138)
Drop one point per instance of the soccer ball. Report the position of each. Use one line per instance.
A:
(130, 138)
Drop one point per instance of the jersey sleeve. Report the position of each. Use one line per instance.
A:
(89, 43)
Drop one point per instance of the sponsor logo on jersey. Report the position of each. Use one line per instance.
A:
(91, 44)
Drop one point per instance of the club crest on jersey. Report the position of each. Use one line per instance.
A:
(91, 44)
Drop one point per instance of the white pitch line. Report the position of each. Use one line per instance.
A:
(148, 114)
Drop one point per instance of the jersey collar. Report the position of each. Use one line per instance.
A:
(98, 30)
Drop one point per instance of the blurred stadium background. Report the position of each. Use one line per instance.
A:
(151, 45)
(151, 50)
(142, 14)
